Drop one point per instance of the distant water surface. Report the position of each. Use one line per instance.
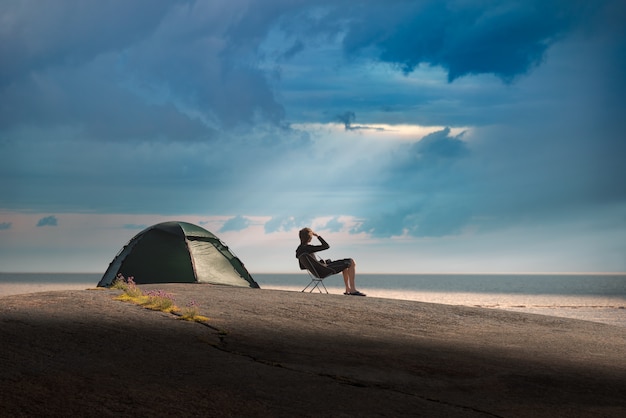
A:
(592, 297)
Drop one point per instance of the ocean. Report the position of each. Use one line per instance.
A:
(591, 297)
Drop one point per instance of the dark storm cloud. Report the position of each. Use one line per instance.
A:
(134, 70)
(101, 110)
(38, 35)
(139, 70)
(503, 38)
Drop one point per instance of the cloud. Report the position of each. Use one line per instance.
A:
(210, 63)
(287, 223)
(333, 225)
(5, 225)
(102, 110)
(238, 223)
(504, 38)
(347, 118)
(187, 70)
(297, 47)
(441, 145)
(48, 221)
(38, 36)
(434, 160)
(164, 68)
(436, 216)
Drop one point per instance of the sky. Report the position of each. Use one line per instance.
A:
(422, 136)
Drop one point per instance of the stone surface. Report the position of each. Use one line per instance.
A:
(280, 354)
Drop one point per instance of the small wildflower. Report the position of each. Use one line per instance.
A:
(156, 299)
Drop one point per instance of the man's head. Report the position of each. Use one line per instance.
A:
(306, 234)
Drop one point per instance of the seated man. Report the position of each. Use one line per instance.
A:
(346, 266)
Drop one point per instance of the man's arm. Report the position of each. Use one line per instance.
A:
(324, 245)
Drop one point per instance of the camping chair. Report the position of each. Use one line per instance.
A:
(317, 271)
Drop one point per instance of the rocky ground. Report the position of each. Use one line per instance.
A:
(285, 354)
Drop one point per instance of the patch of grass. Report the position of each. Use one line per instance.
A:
(127, 285)
(190, 313)
(119, 282)
(195, 318)
(125, 298)
(157, 300)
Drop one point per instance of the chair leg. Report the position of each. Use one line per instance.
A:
(307, 286)
(322, 283)
(316, 285)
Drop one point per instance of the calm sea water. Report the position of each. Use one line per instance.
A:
(599, 298)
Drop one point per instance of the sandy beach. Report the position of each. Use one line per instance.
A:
(284, 354)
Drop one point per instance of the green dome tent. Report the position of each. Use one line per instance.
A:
(178, 252)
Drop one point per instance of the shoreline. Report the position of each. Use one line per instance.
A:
(277, 353)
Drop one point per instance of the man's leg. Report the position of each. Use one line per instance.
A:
(351, 276)
(346, 279)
